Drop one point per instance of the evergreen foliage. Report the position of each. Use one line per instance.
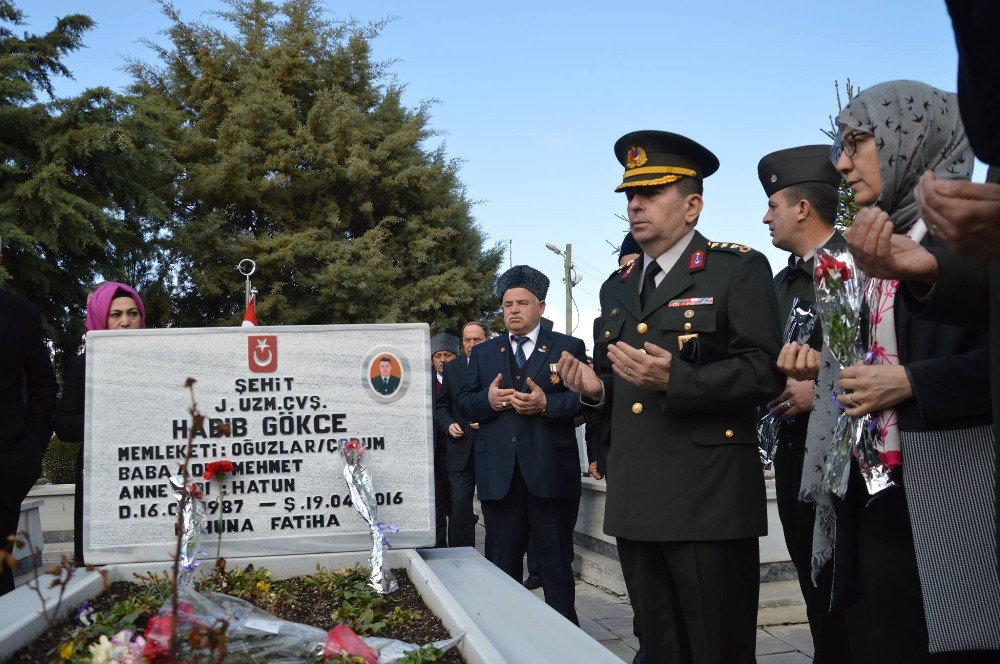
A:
(82, 181)
(296, 150)
(846, 208)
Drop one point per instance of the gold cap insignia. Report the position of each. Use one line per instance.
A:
(636, 157)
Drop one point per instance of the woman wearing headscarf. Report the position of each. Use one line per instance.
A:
(112, 306)
(921, 551)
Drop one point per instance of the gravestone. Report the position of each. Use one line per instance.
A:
(291, 397)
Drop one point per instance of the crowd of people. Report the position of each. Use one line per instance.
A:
(688, 354)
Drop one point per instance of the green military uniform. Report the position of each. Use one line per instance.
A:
(778, 171)
(685, 493)
(690, 469)
(385, 386)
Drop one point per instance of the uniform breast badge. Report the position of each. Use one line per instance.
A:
(554, 374)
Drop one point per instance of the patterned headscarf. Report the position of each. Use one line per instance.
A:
(917, 128)
(100, 303)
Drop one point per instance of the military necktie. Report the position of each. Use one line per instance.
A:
(649, 282)
(519, 356)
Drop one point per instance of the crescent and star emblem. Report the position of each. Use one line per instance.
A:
(259, 359)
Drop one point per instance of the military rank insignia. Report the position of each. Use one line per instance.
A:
(554, 374)
(628, 269)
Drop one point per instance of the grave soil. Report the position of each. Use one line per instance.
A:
(312, 608)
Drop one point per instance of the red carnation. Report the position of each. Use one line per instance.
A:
(223, 467)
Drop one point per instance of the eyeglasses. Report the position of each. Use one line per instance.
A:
(848, 144)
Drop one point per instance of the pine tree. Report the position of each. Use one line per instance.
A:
(81, 180)
(847, 208)
(296, 151)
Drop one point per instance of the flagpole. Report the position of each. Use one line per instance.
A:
(246, 267)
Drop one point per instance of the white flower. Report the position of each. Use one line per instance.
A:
(101, 652)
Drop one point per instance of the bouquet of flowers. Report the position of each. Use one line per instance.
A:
(839, 296)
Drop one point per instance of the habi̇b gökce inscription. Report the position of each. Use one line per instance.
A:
(279, 404)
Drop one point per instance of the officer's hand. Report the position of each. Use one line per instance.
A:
(869, 388)
(529, 403)
(455, 431)
(649, 370)
(797, 398)
(799, 362)
(879, 252)
(965, 216)
(579, 378)
(592, 469)
(499, 397)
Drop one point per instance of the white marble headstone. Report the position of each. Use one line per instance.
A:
(293, 396)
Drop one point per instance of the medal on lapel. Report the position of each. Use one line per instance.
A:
(554, 374)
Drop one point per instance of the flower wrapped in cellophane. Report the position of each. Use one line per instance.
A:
(359, 481)
(839, 298)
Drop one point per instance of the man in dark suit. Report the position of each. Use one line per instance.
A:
(385, 383)
(444, 349)
(461, 436)
(692, 332)
(27, 401)
(527, 462)
(801, 185)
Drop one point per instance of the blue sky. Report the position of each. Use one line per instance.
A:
(532, 96)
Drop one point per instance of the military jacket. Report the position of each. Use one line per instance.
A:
(684, 464)
(797, 282)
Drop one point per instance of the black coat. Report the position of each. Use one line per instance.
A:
(446, 413)
(27, 399)
(68, 422)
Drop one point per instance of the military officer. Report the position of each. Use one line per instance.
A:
(801, 186)
(692, 332)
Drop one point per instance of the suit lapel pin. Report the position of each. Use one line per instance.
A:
(544, 349)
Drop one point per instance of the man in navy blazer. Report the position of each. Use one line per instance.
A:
(527, 463)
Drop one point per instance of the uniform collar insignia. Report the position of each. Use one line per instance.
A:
(697, 261)
(628, 269)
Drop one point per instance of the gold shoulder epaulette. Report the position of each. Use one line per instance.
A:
(730, 246)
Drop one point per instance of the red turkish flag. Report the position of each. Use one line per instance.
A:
(250, 317)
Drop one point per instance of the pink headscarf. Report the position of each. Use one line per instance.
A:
(100, 304)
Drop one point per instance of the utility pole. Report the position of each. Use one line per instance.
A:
(569, 279)
(568, 265)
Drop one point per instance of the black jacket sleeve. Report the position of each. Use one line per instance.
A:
(68, 421)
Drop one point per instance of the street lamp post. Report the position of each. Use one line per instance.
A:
(568, 278)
